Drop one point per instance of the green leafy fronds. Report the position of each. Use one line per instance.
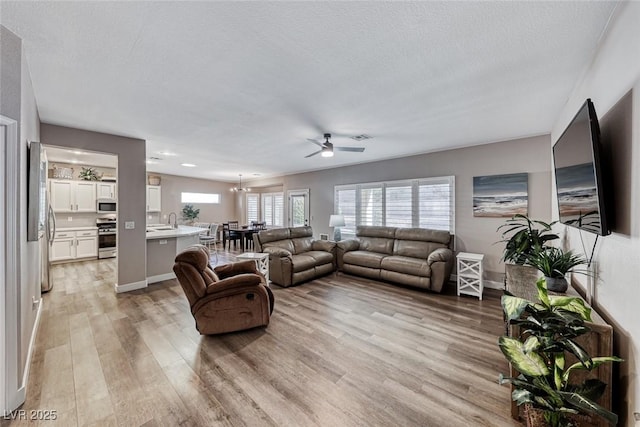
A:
(587, 405)
(513, 307)
(529, 364)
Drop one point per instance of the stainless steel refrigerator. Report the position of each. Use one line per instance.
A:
(42, 220)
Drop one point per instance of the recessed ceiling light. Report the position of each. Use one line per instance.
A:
(257, 174)
(78, 152)
(188, 165)
(167, 153)
(150, 162)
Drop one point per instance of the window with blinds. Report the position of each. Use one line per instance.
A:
(253, 200)
(273, 209)
(424, 203)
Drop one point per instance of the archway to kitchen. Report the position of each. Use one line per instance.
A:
(81, 250)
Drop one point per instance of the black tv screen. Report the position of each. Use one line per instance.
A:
(577, 158)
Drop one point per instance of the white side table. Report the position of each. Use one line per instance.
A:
(261, 259)
(470, 274)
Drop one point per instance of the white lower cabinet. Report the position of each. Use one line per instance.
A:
(78, 244)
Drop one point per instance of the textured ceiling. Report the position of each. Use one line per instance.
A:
(238, 87)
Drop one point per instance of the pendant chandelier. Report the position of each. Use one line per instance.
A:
(239, 187)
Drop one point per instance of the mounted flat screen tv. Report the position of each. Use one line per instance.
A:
(577, 159)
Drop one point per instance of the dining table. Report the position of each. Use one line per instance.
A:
(245, 232)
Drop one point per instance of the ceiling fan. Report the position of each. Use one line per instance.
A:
(327, 148)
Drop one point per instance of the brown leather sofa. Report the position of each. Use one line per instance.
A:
(409, 256)
(228, 298)
(294, 256)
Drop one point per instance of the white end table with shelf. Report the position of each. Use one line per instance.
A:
(470, 274)
(261, 259)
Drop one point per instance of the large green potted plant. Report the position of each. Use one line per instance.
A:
(554, 264)
(523, 237)
(190, 214)
(546, 382)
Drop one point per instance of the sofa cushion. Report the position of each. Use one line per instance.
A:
(296, 232)
(376, 244)
(273, 235)
(321, 257)
(415, 249)
(302, 244)
(406, 265)
(375, 231)
(423, 235)
(286, 244)
(302, 262)
(364, 258)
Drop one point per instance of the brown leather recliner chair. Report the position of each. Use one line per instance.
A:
(228, 298)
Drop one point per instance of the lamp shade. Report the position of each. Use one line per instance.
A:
(336, 221)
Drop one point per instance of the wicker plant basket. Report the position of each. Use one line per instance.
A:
(535, 418)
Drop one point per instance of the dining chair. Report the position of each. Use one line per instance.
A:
(210, 239)
(230, 233)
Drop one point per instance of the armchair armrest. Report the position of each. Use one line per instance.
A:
(276, 252)
(242, 267)
(440, 255)
(323, 245)
(239, 280)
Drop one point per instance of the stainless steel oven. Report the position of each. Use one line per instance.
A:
(106, 206)
(107, 237)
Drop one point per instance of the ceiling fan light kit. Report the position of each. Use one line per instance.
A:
(327, 149)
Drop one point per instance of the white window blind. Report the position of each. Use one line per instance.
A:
(273, 209)
(399, 205)
(252, 207)
(424, 203)
(345, 203)
(371, 206)
(436, 204)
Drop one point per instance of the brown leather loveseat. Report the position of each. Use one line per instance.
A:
(409, 256)
(294, 256)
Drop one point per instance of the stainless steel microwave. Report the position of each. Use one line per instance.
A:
(106, 206)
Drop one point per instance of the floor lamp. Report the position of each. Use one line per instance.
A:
(336, 221)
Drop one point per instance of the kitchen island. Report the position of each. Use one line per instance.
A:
(163, 244)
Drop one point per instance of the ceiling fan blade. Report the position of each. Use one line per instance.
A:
(313, 154)
(353, 149)
(319, 144)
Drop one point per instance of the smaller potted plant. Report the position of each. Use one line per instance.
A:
(546, 384)
(554, 264)
(190, 214)
(88, 174)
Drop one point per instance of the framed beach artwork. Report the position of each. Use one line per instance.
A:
(500, 196)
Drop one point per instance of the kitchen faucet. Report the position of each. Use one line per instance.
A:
(175, 219)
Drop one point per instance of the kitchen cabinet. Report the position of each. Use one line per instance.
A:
(74, 244)
(106, 190)
(154, 198)
(72, 196)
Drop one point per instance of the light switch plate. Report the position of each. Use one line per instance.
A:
(129, 225)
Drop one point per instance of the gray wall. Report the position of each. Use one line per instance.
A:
(173, 186)
(612, 81)
(532, 155)
(132, 191)
(18, 102)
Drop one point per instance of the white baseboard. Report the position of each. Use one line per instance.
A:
(160, 278)
(21, 394)
(130, 286)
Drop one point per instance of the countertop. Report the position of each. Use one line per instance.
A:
(63, 229)
(182, 230)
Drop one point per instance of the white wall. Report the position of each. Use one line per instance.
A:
(614, 72)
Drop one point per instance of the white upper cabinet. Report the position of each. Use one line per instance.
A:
(106, 190)
(73, 196)
(154, 198)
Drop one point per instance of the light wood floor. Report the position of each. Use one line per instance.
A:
(340, 351)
